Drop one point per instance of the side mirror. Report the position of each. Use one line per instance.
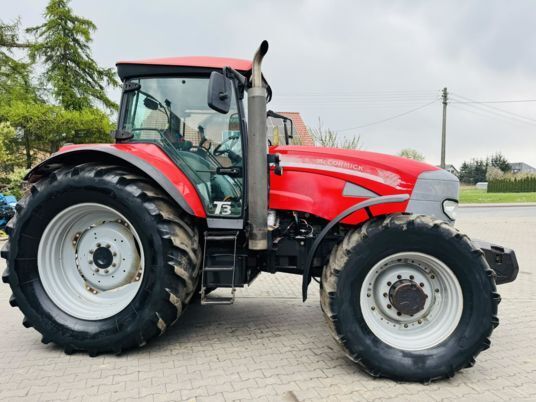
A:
(219, 93)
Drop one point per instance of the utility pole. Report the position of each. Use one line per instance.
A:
(445, 97)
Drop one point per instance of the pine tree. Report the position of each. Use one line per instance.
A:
(499, 161)
(62, 45)
(15, 81)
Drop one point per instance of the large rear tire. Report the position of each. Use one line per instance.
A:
(99, 259)
(409, 298)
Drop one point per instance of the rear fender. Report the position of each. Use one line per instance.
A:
(147, 159)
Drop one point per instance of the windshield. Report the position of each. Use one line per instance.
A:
(173, 113)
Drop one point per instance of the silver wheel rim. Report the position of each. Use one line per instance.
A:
(90, 261)
(431, 325)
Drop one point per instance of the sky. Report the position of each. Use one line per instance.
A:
(368, 69)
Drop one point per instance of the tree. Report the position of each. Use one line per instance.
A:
(43, 128)
(62, 45)
(499, 161)
(328, 138)
(8, 158)
(15, 74)
(474, 171)
(410, 153)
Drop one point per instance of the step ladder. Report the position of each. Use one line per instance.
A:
(216, 240)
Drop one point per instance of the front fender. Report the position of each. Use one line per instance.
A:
(147, 159)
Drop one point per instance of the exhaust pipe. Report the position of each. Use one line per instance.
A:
(257, 161)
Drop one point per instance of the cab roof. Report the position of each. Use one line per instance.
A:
(179, 65)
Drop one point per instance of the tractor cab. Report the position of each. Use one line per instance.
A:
(165, 103)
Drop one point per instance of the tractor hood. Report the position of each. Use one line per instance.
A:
(379, 173)
(326, 181)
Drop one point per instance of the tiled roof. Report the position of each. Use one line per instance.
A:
(300, 128)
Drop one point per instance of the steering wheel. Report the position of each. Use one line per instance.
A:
(218, 151)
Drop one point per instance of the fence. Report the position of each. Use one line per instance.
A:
(513, 185)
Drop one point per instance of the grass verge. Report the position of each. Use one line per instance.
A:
(471, 195)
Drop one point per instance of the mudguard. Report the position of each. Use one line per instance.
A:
(363, 205)
(149, 159)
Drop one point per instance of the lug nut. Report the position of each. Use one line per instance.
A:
(419, 321)
(385, 295)
(389, 283)
(432, 276)
(91, 251)
(437, 290)
(389, 306)
(373, 308)
(405, 325)
(98, 244)
(398, 313)
(107, 246)
(421, 285)
(114, 265)
(90, 262)
(106, 271)
(399, 276)
(114, 253)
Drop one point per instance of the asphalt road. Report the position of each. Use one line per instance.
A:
(271, 346)
(470, 212)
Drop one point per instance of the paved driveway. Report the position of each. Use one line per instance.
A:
(271, 346)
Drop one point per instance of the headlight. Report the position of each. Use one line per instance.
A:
(449, 208)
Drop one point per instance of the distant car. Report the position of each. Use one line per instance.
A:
(7, 209)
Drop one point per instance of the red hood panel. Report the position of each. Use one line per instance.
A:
(354, 166)
(314, 178)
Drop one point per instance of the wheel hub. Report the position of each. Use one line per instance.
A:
(107, 256)
(102, 257)
(407, 297)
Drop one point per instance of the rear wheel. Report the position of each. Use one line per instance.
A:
(409, 298)
(99, 259)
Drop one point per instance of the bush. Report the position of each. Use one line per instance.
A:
(494, 173)
(513, 184)
(11, 184)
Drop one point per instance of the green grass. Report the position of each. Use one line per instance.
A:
(471, 195)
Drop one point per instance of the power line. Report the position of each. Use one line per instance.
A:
(489, 113)
(389, 118)
(493, 113)
(499, 101)
(362, 93)
(494, 108)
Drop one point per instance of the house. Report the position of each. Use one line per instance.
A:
(521, 167)
(452, 169)
(301, 134)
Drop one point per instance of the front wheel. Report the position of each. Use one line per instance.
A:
(409, 298)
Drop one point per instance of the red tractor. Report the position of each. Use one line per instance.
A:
(112, 241)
